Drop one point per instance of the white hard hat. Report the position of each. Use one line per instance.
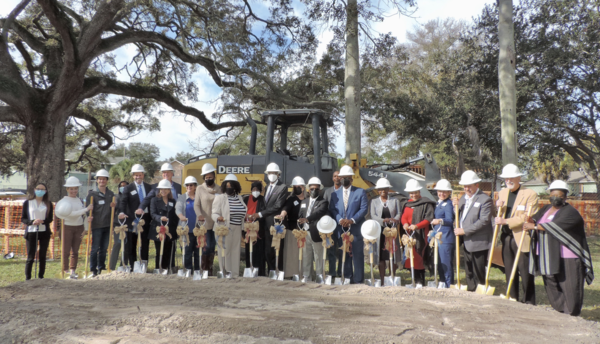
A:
(298, 181)
(72, 182)
(443, 185)
(272, 167)
(412, 185)
(326, 225)
(207, 168)
(164, 184)
(102, 173)
(314, 181)
(469, 178)
(370, 229)
(166, 167)
(346, 171)
(558, 185)
(62, 209)
(137, 168)
(383, 183)
(510, 171)
(190, 180)
(230, 178)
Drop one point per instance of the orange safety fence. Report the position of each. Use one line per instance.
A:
(12, 231)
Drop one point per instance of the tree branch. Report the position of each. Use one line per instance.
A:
(8, 114)
(28, 60)
(32, 41)
(11, 17)
(62, 24)
(99, 129)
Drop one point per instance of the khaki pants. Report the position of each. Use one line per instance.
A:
(232, 250)
(72, 239)
(313, 252)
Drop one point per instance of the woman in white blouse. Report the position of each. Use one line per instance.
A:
(37, 215)
(229, 208)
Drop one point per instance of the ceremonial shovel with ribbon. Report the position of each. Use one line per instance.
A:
(409, 242)
(325, 226)
(200, 234)
(278, 233)
(162, 231)
(370, 230)
(184, 240)
(347, 240)
(221, 232)
(140, 266)
(251, 229)
(122, 232)
(300, 236)
(434, 242)
(391, 233)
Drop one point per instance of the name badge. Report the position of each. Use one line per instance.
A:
(476, 204)
(303, 205)
(101, 202)
(521, 207)
(170, 204)
(551, 217)
(134, 192)
(146, 210)
(295, 203)
(444, 204)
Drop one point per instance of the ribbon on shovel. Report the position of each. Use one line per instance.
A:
(301, 237)
(369, 245)
(277, 231)
(138, 224)
(162, 232)
(221, 232)
(348, 239)
(390, 235)
(327, 242)
(183, 231)
(433, 242)
(251, 229)
(200, 233)
(121, 230)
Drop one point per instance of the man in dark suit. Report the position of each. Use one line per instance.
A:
(131, 198)
(349, 206)
(275, 197)
(475, 215)
(312, 209)
(167, 173)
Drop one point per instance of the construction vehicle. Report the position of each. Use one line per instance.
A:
(316, 163)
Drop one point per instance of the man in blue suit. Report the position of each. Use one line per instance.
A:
(349, 207)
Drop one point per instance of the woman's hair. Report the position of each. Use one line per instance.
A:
(170, 195)
(257, 185)
(121, 184)
(45, 199)
(235, 185)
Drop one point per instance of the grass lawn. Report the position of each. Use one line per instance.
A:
(12, 270)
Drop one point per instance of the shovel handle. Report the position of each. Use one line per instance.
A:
(299, 254)
(494, 237)
(344, 253)
(412, 261)
(89, 234)
(517, 256)
(435, 251)
(370, 257)
(62, 245)
(162, 246)
(456, 225)
(110, 235)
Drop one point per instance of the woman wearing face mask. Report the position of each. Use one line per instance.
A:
(116, 249)
(229, 208)
(37, 215)
(289, 214)
(162, 211)
(255, 203)
(559, 251)
(444, 222)
(205, 196)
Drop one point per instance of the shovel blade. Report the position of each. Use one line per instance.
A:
(220, 274)
(320, 279)
(431, 284)
(197, 275)
(305, 279)
(272, 274)
(328, 280)
(481, 289)
(181, 273)
(419, 286)
(337, 281)
(502, 296)
(296, 278)
(441, 285)
(124, 269)
(280, 276)
(228, 274)
(369, 282)
(157, 271)
(455, 286)
(390, 281)
(248, 273)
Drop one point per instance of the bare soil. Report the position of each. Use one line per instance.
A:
(120, 308)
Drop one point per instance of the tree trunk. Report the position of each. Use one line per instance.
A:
(506, 79)
(352, 82)
(44, 147)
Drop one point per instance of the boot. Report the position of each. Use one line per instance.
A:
(209, 263)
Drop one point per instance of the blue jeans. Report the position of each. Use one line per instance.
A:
(211, 242)
(100, 238)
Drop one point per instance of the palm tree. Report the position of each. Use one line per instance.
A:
(121, 171)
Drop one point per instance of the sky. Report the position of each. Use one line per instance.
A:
(176, 132)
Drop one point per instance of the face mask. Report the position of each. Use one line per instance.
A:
(346, 182)
(255, 194)
(272, 178)
(121, 189)
(297, 190)
(314, 193)
(40, 193)
(209, 182)
(229, 191)
(557, 201)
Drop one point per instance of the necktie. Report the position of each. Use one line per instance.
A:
(467, 206)
(346, 196)
(310, 206)
(140, 193)
(269, 192)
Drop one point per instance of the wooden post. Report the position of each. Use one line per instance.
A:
(110, 232)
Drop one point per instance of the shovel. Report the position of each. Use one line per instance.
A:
(436, 284)
(391, 280)
(160, 270)
(200, 274)
(296, 278)
(342, 280)
(124, 267)
(183, 272)
(371, 282)
(139, 266)
(110, 232)
(252, 272)
(412, 268)
(516, 264)
(276, 275)
(486, 289)
(87, 248)
(322, 278)
(457, 225)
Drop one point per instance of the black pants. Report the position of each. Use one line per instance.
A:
(565, 289)
(169, 252)
(31, 244)
(270, 252)
(509, 252)
(475, 264)
(192, 250)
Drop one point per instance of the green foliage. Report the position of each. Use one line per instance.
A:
(121, 171)
(182, 157)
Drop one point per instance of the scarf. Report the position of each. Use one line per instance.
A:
(423, 209)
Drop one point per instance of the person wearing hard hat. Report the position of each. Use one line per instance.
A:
(560, 252)
(349, 206)
(116, 248)
(162, 211)
(416, 222)
(167, 174)
(386, 211)
(187, 215)
(514, 202)
(131, 198)
(72, 211)
(255, 202)
(475, 214)
(100, 226)
(444, 223)
(312, 209)
(37, 216)
(334, 254)
(205, 196)
(289, 217)
(275, 197)
(229, 208)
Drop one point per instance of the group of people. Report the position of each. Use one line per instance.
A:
(554, 244)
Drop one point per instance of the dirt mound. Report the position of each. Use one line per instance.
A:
(132, 308)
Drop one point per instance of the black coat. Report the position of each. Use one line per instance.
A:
(274, 205)
(47, 221)
(129, 203)
(320, 209)
(154, 192)
(158, 209)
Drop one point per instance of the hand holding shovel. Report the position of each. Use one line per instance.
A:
(457, 225)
